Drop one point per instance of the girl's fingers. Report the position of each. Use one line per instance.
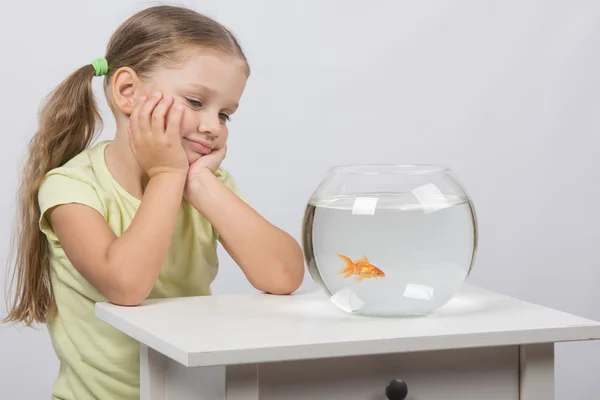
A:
(158, 115)
(144, 120)
(174, 121)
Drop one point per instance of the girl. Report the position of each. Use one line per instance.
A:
(137, 217)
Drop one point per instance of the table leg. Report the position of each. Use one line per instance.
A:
(162, 378)
(241, 382)
(536, 371)
(153, 368)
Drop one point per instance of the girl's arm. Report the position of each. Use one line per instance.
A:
(122, 269)
(269, 257)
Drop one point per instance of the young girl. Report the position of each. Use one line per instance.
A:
(137, 217)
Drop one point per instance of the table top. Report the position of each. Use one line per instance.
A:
(256, 327)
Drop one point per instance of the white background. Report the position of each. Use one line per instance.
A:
(506, 93)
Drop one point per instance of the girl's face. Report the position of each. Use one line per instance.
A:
(209, 84)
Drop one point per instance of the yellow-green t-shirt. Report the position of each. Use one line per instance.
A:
(96, 360)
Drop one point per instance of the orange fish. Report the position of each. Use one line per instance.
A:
(362, 268)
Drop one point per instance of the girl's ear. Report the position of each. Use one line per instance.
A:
(125, 85)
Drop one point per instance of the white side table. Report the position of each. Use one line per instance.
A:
(481, 345)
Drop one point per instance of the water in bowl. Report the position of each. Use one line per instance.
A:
(410, 254)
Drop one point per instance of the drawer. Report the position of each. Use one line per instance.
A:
(465, 374)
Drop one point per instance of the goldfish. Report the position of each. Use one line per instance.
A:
(361, 267)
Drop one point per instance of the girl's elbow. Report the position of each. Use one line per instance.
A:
(126, 301)
(290, 278)
(131, 299)
(284, 289)
(296, 277)
(128, 293)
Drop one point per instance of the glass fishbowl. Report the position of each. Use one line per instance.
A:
(390, 240)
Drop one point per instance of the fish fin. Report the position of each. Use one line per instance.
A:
(348, 270)
(363, 259)
(359, 278)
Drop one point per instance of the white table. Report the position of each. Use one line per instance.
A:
(481, 345)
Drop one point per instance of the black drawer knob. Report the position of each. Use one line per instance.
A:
(396, 390)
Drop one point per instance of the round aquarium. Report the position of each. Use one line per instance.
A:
(390, 240)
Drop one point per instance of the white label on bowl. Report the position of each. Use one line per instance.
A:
(416, 291)
(364, 205)
(431, 198)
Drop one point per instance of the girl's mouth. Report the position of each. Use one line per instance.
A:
(199, 146)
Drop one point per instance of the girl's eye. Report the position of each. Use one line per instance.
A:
(194, 103)
(197, 103)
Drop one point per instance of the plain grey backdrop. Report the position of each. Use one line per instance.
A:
(506, 93)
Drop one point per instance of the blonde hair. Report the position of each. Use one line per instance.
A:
(67, 126)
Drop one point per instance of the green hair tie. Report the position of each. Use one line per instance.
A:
(101, 66)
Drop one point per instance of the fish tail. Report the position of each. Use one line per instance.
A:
(348, 270)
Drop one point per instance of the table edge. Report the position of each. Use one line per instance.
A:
(355, 348)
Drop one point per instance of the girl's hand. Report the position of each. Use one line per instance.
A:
(157, 149)
(209, 162)
(206, 164)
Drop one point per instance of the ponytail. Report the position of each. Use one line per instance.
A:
(67, 126)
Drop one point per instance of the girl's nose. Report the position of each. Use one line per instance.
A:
(209, 126)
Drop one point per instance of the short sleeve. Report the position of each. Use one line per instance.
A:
(58, 189)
